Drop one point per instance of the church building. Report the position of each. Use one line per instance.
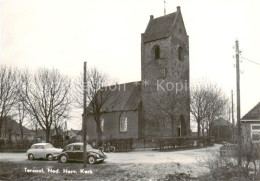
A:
(159, 104)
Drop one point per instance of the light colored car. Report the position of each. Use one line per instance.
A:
(43, 150)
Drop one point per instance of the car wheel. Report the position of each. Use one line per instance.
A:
(50, 157)
(91, 159)
(63, 158)
(30, 157)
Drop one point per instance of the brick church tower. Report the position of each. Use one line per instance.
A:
(165, 77)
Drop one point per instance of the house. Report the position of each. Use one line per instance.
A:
(133, 109)
(41, 134)
(250, 123)
(11, 131)
(221, 129)
(73, 134)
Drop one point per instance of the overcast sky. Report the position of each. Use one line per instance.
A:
(107, 34)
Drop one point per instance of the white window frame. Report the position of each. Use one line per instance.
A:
(123, 124)
(102, 124)
(254, 132)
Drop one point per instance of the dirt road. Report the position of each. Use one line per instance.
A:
(182, 156)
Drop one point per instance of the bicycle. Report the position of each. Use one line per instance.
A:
(107, 148)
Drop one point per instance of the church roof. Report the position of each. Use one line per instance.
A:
(125, 97)
(253, 113)
(159, 27)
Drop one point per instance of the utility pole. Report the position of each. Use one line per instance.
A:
(84, 122)
(238, 103)
(232, 116)
(232, 109)
(164, 2)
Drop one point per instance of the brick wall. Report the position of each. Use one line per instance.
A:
(111, 126)
(157, 123)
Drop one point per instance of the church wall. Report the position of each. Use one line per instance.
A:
(151, 72)
(111, 126)
(141, 123)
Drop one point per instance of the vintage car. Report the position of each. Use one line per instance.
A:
(74, 152)
(43, 150)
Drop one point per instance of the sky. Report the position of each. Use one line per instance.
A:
(107, 34)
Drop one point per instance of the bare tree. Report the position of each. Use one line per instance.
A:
(46, 97)
(217, 106)
(21, 113)
(98, 93)
(198, 104)
(34, 125)
(8, 91)
(207, 103)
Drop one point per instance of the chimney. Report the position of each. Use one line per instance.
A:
(178, 9)
(151, 17)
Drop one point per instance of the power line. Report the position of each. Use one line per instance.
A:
(250, 61)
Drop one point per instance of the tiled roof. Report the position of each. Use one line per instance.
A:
(253, 113)
(125, 97)
(159, 27)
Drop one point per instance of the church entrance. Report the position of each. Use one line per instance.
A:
(181, 127)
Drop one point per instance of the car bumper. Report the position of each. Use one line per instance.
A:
(56, 155)
(100, 159)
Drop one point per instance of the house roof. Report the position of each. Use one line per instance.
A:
(123, 98)
(42, 133)
(159, 27)
(221, 122)
(74, 131)
(254, 113)
(14, 126)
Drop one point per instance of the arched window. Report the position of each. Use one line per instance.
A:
(123, 123)
(157, 52)
(179, 128)
(102, 125)
(180, 53)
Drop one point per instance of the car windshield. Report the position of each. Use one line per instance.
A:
(49, 146)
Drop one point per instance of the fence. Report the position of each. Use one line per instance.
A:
(144, 143)
(119, 144)
(17, 146)
(161, 144)
(185, 142)
(23, 145)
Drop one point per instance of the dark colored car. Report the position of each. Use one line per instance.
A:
(74, 151)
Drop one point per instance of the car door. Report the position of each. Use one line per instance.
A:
(69, 151)
(34, 150)
(41, 151)
(78, 152)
